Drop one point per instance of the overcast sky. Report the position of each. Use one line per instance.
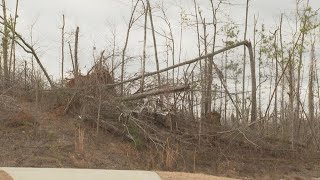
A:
(96, 17)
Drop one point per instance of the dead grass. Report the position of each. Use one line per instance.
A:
(5, 176)
(188, 176)
(79, 140)
(58, 141)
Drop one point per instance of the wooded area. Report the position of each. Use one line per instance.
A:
(265, 97)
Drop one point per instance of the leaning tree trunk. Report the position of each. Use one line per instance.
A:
(154, 42)
(220, 75)
(131, 21)
(282, 109)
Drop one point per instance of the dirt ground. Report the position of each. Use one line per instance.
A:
(188, 176)
(35, 138)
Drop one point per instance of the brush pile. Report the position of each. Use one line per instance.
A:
(141, 119)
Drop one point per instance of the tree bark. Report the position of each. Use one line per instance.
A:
(5, 45)
(244, 66)
(154, 42)
(210, 65)
(171, 89)
(12, 51)
(310, 84)
(76, 60)
(62, 49)
(276, 80)
(143, 68)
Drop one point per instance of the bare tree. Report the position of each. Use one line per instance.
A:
(210, 64)
(244, 65)
(310, 84)
(62, 48)
(143, 68)
(12, 50)
(130, 24)
(154, 41)
(275, 45)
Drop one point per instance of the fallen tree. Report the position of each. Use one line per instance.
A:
(155, 92)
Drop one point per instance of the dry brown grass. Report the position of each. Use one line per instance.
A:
(188, 176)
(79, 140)
(5, 176)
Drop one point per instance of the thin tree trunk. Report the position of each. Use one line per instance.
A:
(192, 96)
(318, 88)
(282, 109)
(180, 46)
(276, 88)
(226, 81)
(260, 85)
(253, 84)
(291, 99)
(297, 107)
(244, 66)
(297, 119)
(210, 65)
(204, 98)
(5, 45)
(113, 55)
(310, 84)
(202, 76)
(76, 60)
(12, 51)
(172, 50)
(143, 68)
(71, 56)
(62, 49)
(154, 42)
(131, 21)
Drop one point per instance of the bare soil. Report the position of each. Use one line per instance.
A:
(188, 176)
(31, 137)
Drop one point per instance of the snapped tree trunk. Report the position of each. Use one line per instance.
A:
(252, 65)
(245, 118)
(210, 65)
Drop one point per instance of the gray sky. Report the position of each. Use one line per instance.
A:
(97, 17)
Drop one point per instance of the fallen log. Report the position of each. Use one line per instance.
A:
(170, 89)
